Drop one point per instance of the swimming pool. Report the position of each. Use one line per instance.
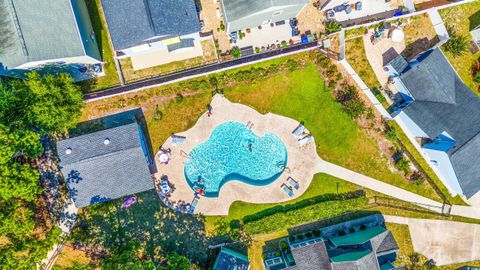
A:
(234, 152)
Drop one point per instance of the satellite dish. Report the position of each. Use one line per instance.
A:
(106, 141)
(68, 151)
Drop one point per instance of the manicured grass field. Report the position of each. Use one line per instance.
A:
(101, 35)
(463, 18)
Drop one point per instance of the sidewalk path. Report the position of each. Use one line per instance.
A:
(446, 242)
(393, 191)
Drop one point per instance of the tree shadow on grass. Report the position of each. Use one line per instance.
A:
(474, 20)
(159, 230)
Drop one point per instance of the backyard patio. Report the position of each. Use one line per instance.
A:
(269, 34)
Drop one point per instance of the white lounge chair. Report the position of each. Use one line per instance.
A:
(293, 183)
(178, 139)
(287, 190)
(305, 140)
(298, 131)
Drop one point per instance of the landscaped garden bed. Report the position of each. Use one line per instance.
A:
(462, 19)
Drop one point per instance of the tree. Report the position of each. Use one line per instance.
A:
(176, 262)
(49, 104)
(29, 109)
(125, 258)
(457, 44)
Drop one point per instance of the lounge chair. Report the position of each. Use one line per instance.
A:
(193, 205)
(287, 190)
(305, 140)
(178, 139)
(298, 130)
(293, 183)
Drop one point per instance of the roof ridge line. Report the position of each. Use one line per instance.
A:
(465, 143)
(104, 155)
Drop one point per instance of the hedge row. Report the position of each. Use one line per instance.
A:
(302, 204)
(284, 220)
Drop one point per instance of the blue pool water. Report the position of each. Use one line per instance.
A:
(234, 152)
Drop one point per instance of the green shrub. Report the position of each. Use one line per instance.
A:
(363, 227)
(317, 233)
(332, 27)
(300, 237)
(311, 213)
(403, 165)
(341, 233)
(222, 26)
(309, 234)
(302, 204)
(292, 64)
(257, 50)
(284, 43)
(277, 253)
(235, 52)
(283, 245)
(291, 238)
(476, 77)
(390, 133)
(350, 101)
(457, 44)
(351, 230)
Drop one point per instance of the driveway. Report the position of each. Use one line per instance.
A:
(446, 242)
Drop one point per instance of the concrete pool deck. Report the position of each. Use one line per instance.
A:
(301, 163)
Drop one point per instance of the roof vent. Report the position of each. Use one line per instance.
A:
(106, 141)
(68, 151)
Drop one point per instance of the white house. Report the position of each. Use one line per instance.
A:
(441, 116)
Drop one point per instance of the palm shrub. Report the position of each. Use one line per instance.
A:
(332, 27)
(457, 45)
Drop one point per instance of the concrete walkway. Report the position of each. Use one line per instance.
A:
(446, 242)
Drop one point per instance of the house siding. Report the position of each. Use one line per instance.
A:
(85, 28)
(442, 165)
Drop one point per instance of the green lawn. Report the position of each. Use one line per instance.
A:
(463, 18)
(301, 95)
(101, 35)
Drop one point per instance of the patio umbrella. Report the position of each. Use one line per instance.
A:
(163, 158)
(397, 35)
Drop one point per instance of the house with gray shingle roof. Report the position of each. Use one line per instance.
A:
(441, 116)
(143, 27)
(105, 165)
(37, 33)
(359, 244)
(243, 14)
(229, 259)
